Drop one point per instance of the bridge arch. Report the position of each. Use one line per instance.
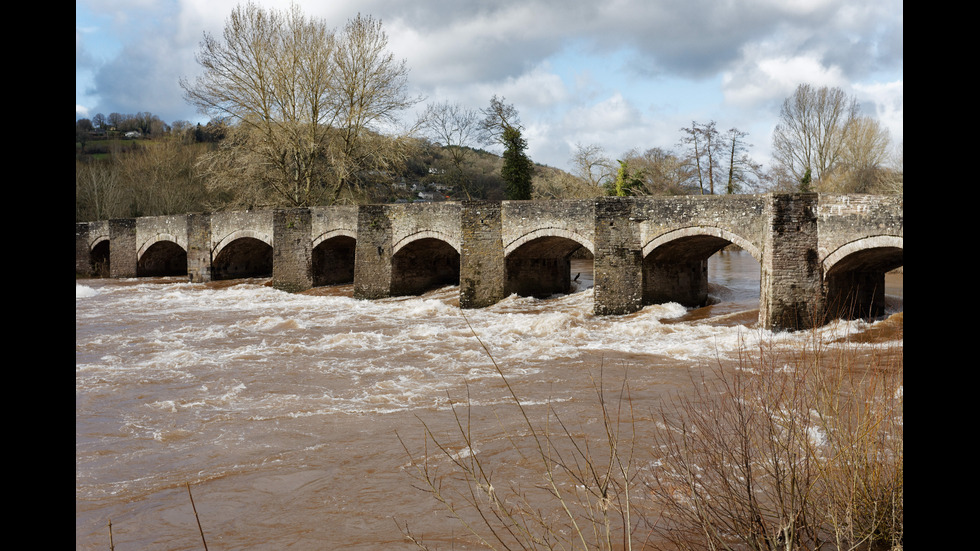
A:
(160, 255)
(333, 257)
(675, 263)
(332, 234)
(149, 242)
(698, 231)
(539, 262)
(99, 256)
(879, 250)
(423, 261)
(422, 235)
(99, 234)
(242, 253)
(239, 234)
(854, 275)
(98, 249)
(540, 233)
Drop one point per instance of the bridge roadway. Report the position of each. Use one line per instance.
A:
(820, 255)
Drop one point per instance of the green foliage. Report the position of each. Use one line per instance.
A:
(627, 181)
(805, 182)
(518, 168)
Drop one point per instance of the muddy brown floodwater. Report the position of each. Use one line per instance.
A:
(291, 417)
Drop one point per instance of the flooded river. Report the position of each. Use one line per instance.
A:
(290, 417)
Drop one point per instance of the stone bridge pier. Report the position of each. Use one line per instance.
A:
(820, 256)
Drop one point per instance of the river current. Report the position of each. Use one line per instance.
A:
(289, 418)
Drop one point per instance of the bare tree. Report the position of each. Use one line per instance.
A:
(371, 91)
(812, 130)
(100, 122)
(592, 165)
(702, 144)
(306, 105)
(862, 166)
(115, 120)
(502, 125)
(162, 179)
(552, 183)
(456, 128)
(743, 172)
(895, 175)
(789, 451)
(497, 118)
(83, 130)
(272, 76)
(663, 171)
(99, 193)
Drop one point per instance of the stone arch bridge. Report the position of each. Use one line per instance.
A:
(820, 255)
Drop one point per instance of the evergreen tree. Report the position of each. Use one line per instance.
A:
(517, 169)
(805, 182)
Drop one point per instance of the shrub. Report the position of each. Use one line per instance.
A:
(798, 449)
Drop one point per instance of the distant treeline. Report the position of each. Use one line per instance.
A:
(167, 173)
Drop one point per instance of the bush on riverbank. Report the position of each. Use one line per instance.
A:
(798, 449)
(786, 452)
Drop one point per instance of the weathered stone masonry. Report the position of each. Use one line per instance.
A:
(790, 287)
(819, 255)
(481, 270)
(292, 259)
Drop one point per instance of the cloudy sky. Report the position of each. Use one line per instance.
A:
(621, 74)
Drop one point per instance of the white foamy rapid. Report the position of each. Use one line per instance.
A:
(83, 291)
(383, 353)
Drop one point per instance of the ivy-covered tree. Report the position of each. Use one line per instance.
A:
(805, 182)
(518, 168)
(502, 125)
(628, 182)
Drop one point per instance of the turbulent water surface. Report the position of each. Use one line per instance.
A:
(289, 418)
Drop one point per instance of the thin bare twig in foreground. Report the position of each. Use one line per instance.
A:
(199, 529)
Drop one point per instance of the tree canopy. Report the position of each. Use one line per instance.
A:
(823, 142)
(306, 104)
